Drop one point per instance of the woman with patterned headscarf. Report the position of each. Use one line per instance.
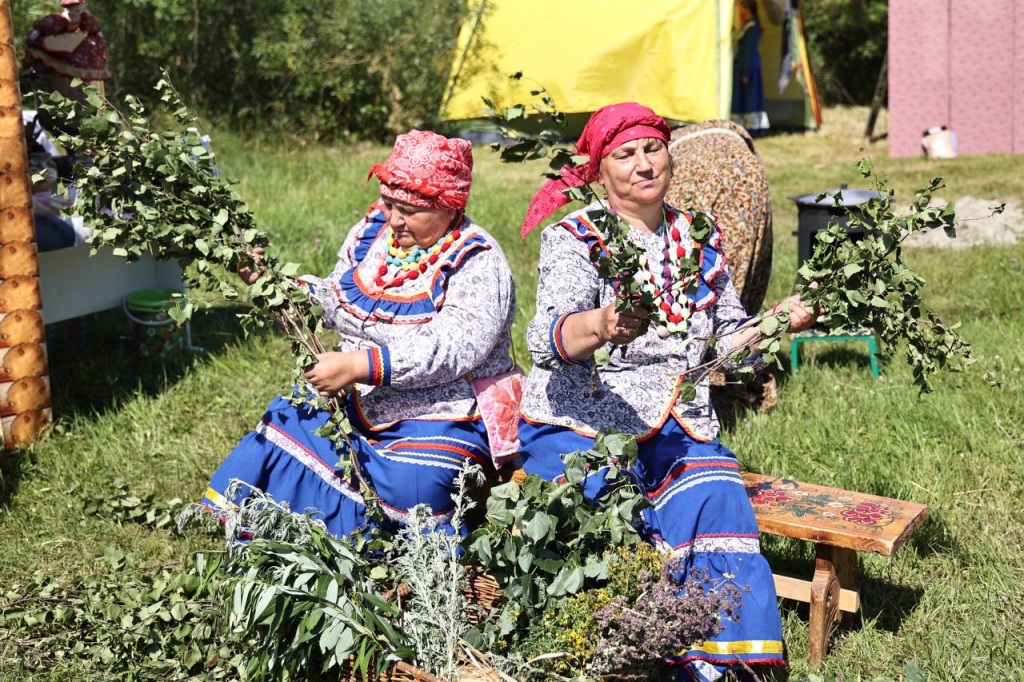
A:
(423, 299)
(699, 510)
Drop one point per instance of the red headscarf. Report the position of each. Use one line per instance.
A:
(608, 128)
(427, 170)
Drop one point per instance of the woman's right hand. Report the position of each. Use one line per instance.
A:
(251, 273)
(619, 328)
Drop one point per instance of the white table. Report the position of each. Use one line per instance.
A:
(72, 283)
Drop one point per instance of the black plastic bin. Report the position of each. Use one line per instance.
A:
(814, 216)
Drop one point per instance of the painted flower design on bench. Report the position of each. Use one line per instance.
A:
(784, 497)
(768, 496)
(869, 514)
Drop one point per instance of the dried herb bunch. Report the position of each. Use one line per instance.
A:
(648, 610)
(667, 617)
(426, 560)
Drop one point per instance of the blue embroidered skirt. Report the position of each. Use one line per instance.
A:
(408, 463)
(700, 514)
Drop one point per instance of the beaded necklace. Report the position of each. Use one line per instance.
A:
(668, 289)
(410, 264)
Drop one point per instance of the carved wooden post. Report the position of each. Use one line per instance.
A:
(24, 385)
(824, 604)
(835, 571)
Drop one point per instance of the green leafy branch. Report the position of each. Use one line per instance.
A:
(147, 191)
(867, 283)
(119, 502)
(312, 602)
(132, 621)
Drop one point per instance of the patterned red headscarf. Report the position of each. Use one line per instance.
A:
(608, 128)
(427, 170)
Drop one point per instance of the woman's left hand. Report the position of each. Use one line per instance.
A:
(332, 372)
(801, 316)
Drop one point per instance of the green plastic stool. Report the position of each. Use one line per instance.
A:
(797, 341)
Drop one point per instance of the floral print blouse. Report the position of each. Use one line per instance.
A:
(638, 391)
(425, 337)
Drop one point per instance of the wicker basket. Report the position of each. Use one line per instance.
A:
(483, 592)
(400, 672)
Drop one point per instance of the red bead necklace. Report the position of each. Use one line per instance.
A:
(430, 257)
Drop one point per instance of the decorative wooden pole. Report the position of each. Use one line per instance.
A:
(24, 384)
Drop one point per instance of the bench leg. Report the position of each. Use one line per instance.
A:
(844, 562)
(834, 568)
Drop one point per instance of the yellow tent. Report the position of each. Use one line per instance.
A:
(675, 56)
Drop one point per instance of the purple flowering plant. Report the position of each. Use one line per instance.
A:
(666, 619)
(651, 608)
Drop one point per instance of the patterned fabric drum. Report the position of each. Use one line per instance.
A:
(716, 165)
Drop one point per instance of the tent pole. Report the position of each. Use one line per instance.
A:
(462, 58)
(876, 102)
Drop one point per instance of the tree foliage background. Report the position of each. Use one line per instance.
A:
(316, 68)
(368, 69)
(847, 40)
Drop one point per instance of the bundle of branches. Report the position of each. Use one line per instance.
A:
(147, 191)
(311, 604)
(867, 283)
(856, 284)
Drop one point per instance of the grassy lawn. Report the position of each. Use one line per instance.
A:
(952, 599)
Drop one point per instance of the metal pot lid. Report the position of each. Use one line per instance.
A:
(850, 197)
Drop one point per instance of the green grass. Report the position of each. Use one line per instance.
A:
(952, 599)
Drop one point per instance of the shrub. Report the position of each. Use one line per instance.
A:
(341, 68)
(847, 40)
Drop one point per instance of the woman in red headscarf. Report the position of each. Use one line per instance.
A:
(699, 509)
(423, 298)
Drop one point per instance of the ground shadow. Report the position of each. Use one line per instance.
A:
(883, 603)
(775, 673)
(887, 603)
(846, 354)
(933, 537)
(95, 362)
(13, 467)
(884, 600)
(737, 399)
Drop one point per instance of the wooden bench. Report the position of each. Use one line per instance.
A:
(840, 524)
